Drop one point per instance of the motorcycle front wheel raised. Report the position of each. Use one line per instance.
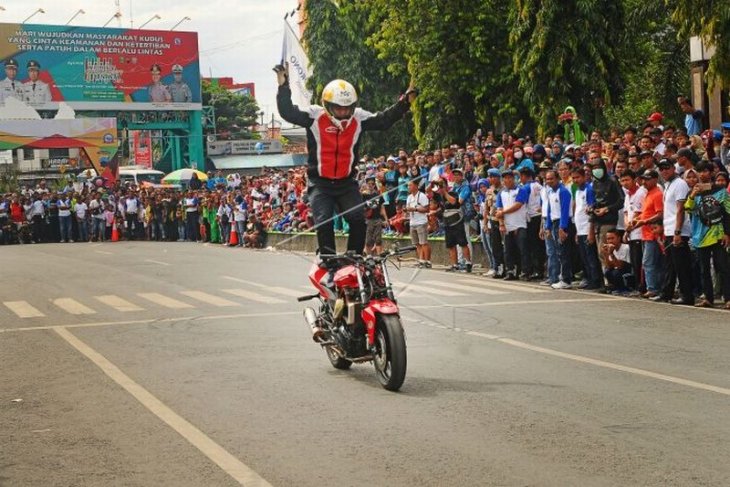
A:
(390, 357)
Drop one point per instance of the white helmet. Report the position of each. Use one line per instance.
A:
(339, 93)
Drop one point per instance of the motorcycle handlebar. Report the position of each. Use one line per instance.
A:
(352, 257)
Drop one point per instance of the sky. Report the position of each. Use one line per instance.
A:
(237, 38)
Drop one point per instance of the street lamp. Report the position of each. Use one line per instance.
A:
(115, 16)
(154, 17)
(261, 114)
(39, 11)
(181, 21)
(79, 12)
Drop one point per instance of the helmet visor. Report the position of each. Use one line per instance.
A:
(341, 112)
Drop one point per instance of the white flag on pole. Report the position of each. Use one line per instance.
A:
(299, 69)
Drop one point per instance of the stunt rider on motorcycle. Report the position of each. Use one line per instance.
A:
(333, 141)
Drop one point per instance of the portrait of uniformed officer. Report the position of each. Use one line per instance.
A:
(179, 90)
(10, 86)
(35, 91)
(157, 91)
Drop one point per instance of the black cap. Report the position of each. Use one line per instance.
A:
(650, 174)
(686, 152)
(11, 62)
(645, 153)
(508, 172)
(665, 163)
(32, 64)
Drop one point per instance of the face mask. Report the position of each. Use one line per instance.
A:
(518, 155)
(597, 173)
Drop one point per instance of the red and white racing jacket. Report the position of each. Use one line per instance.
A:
(334, 151)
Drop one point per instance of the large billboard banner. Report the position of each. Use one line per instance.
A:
(93, 68)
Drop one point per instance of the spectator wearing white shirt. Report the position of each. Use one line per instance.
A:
(80, 209)
(37, 217)
(618, 262)
(512, 214)
(633, 205)
(585, 233)
(64, 218)
(417, 209)
(535, 246)
(677, 257)
(556, 232)
(131, 210)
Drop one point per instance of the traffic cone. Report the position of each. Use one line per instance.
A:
(234, 238)
(115, 233)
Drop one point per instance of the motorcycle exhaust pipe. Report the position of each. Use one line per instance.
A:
(310, 316)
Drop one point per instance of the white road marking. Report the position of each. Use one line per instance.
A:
(104, 252)
(209, 298)
(274, 289)
(236, 316)
(72, 306)
(426, 289)
(23, 309)
(165, 301)
(157, 262)
(583, 359)
(461, 287)
(245, 293)
(118, 303)
(502, 285)
(235, 468)
(623, 368)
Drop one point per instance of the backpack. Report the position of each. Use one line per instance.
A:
(710, 210)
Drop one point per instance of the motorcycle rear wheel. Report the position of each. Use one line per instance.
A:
(390, 357)
(337, 361)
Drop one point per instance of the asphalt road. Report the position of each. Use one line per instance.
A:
(190, 365)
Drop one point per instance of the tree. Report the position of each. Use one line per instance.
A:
(654, 60)
(710, 20)
(454, 51)
(234, 113)
(336, 43)
(563, 59)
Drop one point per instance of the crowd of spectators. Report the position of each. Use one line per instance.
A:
(204, 211)
(631, 212)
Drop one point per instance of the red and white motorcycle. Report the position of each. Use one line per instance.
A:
(358, 318)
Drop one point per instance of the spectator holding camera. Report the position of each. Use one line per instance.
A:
(710, 233)
(453, 225)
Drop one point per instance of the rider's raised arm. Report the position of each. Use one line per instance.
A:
(385, 119)
(289, 111)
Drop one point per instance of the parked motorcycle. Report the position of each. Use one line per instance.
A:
(358, 318)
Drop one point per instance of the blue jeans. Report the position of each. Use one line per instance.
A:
(83, 230)
(64, 222)
(97, 228)
(652, 264)
(225, 233)
(487, 245)
(589, 257)
(240, 230)
(559, 266)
